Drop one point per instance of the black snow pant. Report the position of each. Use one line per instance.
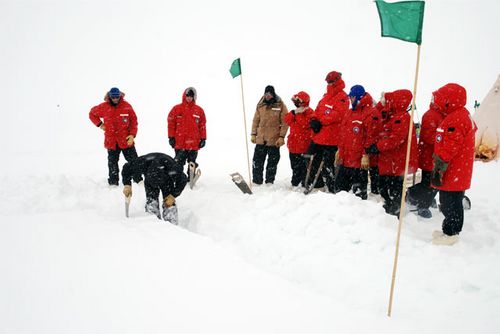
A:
(353, 178)
(422, 194)
(181, 156)
(390, 189)
(453, 211)
(374, 183)
(152, 188)
(152, 203)
(324, 153)
(259, 157)
(299, 166)
(113, 156)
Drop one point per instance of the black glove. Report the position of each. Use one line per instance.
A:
(372, 149)
(315, 125)
(437, 173)
(202, 143)
(171, 141)
(293, 112)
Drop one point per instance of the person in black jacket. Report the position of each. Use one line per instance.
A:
(161, 172)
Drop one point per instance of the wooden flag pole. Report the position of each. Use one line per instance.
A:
(246, 134)
(403, 195)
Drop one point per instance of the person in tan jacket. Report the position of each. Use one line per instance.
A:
(268, 133)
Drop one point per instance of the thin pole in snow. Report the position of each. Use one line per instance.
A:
(403, 195)
(246, 135)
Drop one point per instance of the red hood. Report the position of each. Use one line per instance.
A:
(184, 95)
(398, 101)
(450, 97)
(337, 87)
(304, 97)
(366, 100)
(433, 106)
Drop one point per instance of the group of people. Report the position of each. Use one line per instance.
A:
(349, 138)
(346, 140)
(162, 173)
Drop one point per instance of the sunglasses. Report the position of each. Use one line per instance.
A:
(114, 97)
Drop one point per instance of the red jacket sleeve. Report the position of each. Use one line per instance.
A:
(203, 124)
(398, 134)
(451, 138)
(344, 128)
(133, 122)
(95, 115)
(172, 115)
(289, 118)
(429, 125)
(336, 114)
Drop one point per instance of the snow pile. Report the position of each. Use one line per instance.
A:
(276, 261)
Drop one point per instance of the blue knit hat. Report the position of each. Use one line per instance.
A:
(357, 91)
(114, 92)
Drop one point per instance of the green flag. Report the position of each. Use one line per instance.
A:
(402, 20)
(235, 69)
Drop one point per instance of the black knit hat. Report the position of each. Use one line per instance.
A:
(270, 89)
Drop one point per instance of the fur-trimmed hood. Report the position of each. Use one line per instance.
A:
(262, 100)
(107, 99)
(185, 92)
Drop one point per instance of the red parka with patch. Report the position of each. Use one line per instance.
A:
(374, 128)
(330, 112)
(354, 132)
(430, 122)
(187, 124)
(393, 140)
(119, 121)
(454, 142)
(300, 134)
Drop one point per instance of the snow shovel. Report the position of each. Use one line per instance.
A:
(240, 183)
(194, 174)
(316, 177)
(309, 166)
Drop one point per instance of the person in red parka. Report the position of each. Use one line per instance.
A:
(325, 124)
(391, 146)
(117, 119)
(187, 128)
(299, 137)
(354, 162)
(422, 194)
(453, 159)
(374, 128)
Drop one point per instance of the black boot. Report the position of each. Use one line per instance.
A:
(424, 213)
(153, 207)
(392, 208)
